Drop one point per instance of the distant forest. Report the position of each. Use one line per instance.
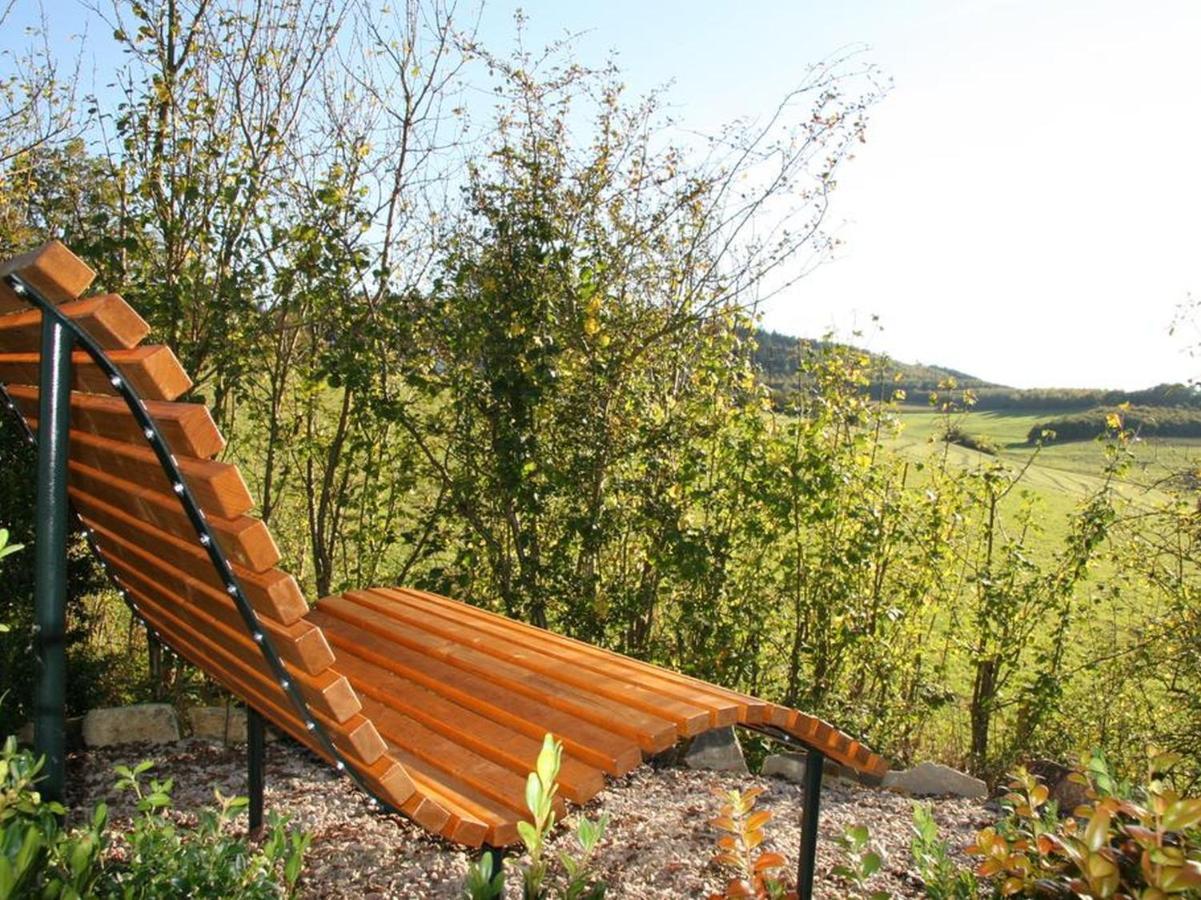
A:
(1145, 421)
(777, 358)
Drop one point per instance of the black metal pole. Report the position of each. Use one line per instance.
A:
(50, 555)
(255, 746)
(815, 762)
(154, 651)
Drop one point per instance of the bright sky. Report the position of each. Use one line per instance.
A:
(1026, 207)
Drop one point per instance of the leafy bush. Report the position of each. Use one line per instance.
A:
(7, 549)
(157, 858)
(98, 654)
(37, 858)
(576, 881)
(164, 859)
(755, 873)
(1141, 843)
(961, 438)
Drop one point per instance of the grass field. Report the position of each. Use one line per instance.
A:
(1061, 475)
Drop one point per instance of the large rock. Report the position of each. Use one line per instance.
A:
(718, 749)
(218, 723)
(789, 766)
(25, 734)
(153, 723)
(932, 779)
(1058, 779)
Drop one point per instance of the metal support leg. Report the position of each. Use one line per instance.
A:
(815, 762)
(50, 556)
(255, 742)
(154, 648)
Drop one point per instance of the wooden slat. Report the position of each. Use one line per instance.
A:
(328, 692)
(426, 812)
(592, 744)
(152, 371)
(245, 540)
(51, 269)
(356, 738)
(639, 677)
(690, 719)
(272, 593)
(461, 825)
(188, 428)
(106, 318)
(652, 733)
(466, 804)
(448, 760)
(217, 487)
(493, 740)
(749, 709)
(301, 644)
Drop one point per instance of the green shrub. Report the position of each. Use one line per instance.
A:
(859, 862)
(1123, 842)
(164, 859)
(959, 437)
(39, 858)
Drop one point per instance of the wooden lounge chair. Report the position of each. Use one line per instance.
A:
(435, 707)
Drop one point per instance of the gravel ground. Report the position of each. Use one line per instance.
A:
(658, 843)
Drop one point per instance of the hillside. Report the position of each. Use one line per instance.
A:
(777, 357)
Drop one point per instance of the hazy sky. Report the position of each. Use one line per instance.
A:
(1027, 205)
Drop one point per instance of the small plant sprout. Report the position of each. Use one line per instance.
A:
(942, 877)
(576, 882)
(738, 850)
(859, 862)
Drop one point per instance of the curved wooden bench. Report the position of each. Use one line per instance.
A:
(437, 707)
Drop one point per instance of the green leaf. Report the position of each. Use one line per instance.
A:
(871, 864)
(529, 835)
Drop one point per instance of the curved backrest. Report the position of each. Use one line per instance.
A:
(268, 654)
